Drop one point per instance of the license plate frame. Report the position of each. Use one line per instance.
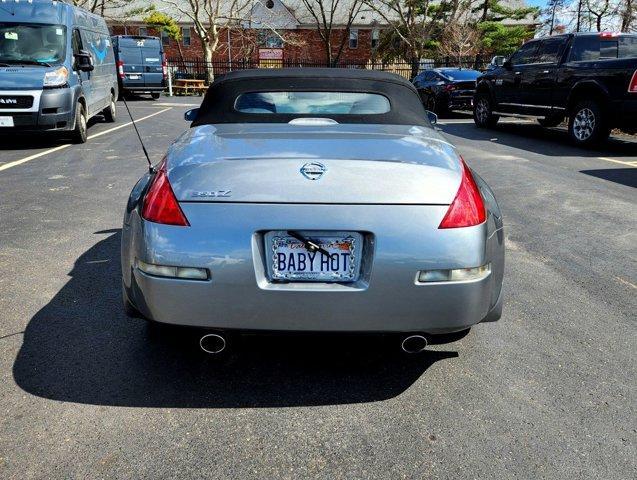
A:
(6, 121)
(134, 76)
(349, 266)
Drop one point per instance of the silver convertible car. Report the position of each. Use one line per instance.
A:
(313, 200)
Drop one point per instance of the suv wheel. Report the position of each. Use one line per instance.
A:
(109, 112)
(155, 95)
(586, 124)
(483, 111)
(79, 133)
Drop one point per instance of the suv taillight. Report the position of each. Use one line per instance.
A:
(120, 69)
(632, 86)
(164, 68)
(467, 208)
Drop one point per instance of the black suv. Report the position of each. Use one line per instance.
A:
(590, 78)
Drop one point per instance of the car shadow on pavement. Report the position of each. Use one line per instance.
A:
(39, 140)
(81, 348)
(530, 137)
(623, 176)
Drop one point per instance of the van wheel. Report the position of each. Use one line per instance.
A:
(79, 133)
(155, 95)
(109, 112)
(586, 124)
(483, 111)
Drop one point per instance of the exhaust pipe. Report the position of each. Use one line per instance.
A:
(212, 343)
(413, 344)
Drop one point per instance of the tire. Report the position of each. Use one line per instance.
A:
(483, 111)
(586, 124)
(129, 308)
(110, 112)
(155, 95)
(429, 102)
(79, 132)
(550, 122)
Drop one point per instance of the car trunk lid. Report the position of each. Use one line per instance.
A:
(338, 164)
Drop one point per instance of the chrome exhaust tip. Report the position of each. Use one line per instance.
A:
(413, 344)
(212, 343)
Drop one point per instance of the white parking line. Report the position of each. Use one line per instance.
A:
(630, 164)
(62, 147)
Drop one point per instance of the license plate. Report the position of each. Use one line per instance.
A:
(6, 121)
(290, 260)
(134, 77)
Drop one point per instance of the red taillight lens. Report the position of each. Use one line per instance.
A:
(632, 86)
(164, 68)
(467, 209)
(120, 69)
(450, 87)
(160, 204)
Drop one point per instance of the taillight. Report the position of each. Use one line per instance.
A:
(450, 87)
(467, 208)
(609, 34)
(164, 68)
(632, 86)
(120, 69)
(160, 204)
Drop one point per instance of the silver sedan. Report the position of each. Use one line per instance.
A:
(313, 200)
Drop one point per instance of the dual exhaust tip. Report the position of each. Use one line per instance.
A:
(214, 343)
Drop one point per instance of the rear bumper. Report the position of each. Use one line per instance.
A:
(227, 239)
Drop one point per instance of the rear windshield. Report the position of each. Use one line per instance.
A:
(594, 47)
(461, 74)
(318, 103)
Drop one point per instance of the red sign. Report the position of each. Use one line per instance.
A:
(270, 54)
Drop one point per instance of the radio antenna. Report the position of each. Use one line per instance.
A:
(151, 169)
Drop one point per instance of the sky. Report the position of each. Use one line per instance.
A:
(536, 3)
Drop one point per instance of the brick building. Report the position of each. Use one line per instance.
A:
(297, 38)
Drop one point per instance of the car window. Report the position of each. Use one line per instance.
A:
(526, 54)
(585, 48)
(317, 103)
(608, 49)
(628, 47)
(461, 74)
(550, 50)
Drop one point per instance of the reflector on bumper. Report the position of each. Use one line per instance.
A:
(455, 275)
(188, 273)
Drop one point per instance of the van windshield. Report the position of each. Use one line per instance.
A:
(32, 44)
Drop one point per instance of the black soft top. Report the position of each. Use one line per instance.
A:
(218, 104)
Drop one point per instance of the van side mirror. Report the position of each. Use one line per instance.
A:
(432, 117)
(191, 114)
(84, 61)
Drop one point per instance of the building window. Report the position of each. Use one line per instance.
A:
(375, 37)
(143, 31)
(165, 39)
(185, 36)
(353, 38)
(267, 39)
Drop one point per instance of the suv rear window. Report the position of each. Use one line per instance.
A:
(317, 103)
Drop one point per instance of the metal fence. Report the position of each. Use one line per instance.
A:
(189, 68)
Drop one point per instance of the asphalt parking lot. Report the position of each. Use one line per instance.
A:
(549, 391)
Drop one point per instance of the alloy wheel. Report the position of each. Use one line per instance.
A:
(584, 124)
(482, 110)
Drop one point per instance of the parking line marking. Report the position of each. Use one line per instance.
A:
(630, 164)
(67, 145)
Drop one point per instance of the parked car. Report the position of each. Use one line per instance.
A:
(313, 200)
(141, 64)
(588, 78)
(57, 69)
(444, 89)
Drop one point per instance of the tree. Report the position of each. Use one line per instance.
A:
(328, 18)
(211, 18)
(162, 22)
(598, 9)
(459, 41)
(551, 10)
(496, 37)
(628, 16)
(414, 24)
